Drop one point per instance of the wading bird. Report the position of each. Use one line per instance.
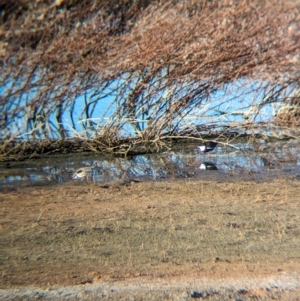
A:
(207, 147)
(82, 172)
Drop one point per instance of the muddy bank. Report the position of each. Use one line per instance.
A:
(186, 234)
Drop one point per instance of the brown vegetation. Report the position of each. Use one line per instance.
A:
(158, 61)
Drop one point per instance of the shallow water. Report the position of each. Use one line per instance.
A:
(257, 161)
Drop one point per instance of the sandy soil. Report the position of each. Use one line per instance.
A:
(170, 240)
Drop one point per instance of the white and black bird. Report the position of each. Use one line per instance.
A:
(207, 147)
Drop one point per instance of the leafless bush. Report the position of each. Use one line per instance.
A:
(160, 63)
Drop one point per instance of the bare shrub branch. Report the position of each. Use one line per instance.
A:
(161, 64)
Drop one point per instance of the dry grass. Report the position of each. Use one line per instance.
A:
(161, 64)
(87, 234)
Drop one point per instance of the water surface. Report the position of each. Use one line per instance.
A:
(257, 161)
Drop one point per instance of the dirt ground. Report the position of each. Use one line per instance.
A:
(168, 240)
